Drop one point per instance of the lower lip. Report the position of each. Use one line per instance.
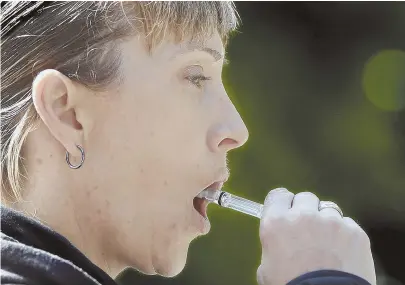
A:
(203, 223)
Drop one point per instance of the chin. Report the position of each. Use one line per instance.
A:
(169, 273)
(170, 265)
(170, 270)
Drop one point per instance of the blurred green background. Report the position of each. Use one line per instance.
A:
(321, 87)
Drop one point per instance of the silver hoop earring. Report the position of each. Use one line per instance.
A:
(81, 161)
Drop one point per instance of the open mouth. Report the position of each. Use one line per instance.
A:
(200, 204)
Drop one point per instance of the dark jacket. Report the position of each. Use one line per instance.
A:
(33, 254)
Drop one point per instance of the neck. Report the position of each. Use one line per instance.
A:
(67, 202)
(58, 210)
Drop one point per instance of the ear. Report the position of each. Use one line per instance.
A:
(54, 97)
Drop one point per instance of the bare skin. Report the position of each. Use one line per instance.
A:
(152, 144)
(298, 238)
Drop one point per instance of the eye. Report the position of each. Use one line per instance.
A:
(195, 75)
(198, 80)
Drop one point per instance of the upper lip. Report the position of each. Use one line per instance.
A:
(219, 183)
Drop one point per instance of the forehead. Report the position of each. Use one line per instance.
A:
(213, 42)
(138, 59)
(212, 45)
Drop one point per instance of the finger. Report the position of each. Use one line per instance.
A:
(330, 208)
(306, 201)
(278, 201)
(330, 213)
(352, 224)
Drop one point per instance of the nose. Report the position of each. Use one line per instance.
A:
(229, 132)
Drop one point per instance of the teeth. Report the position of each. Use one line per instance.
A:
(209, 195)
(202, 194)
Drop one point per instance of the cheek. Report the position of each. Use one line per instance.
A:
(155, 141)
(171, 233)
(165, 128)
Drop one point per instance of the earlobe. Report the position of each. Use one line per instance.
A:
(53, 96)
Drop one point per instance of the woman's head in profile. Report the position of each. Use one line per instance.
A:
(114, 117)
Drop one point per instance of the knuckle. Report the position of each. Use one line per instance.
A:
(305, 217)
(306, 194)
(279, 190)
(332, 222)
(275, 193)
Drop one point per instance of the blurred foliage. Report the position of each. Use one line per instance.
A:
(384, 82)
(321, 87)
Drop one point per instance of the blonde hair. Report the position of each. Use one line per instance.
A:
(79, 40)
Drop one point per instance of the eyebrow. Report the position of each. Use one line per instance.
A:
(214, 53)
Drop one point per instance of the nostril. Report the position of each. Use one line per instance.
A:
(222, 138)
(227, 142)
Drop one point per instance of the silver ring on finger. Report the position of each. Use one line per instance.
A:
(331, 205)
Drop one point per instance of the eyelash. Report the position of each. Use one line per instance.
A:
(198, 78)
